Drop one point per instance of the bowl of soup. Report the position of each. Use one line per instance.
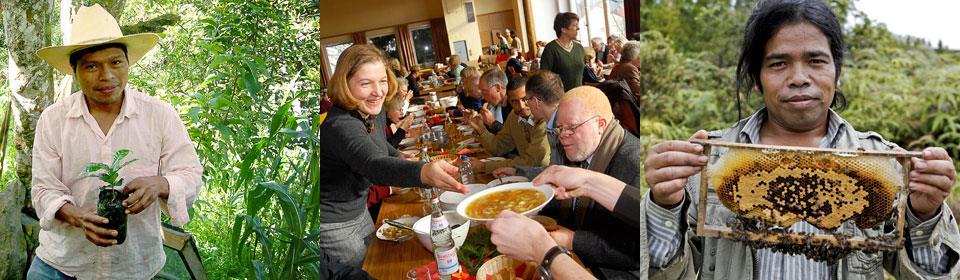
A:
(523, 198)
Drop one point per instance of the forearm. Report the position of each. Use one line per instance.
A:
(67, 214)
(527, 158)
(564, 267)
(496, 144)
(929, 255)
(663, 232)
(604, 189)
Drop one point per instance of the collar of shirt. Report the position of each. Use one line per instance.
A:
(552, 121)
(751, 130)
(528, 120)
(128, 109)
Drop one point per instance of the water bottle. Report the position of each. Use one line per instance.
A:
(466, 170)
(444, 249)
(422, 192)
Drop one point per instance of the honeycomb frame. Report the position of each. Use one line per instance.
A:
(821, 247)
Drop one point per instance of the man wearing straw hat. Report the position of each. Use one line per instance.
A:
(90, 126)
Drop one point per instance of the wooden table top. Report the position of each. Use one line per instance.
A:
(391, 260)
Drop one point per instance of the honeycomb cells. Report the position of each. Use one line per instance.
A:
(783, 187)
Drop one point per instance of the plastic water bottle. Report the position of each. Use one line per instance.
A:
(424, 194)
(466, 170)
(444, 249)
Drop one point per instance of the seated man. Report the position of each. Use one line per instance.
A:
(520, 132)
(493, 85)
(793, 53)
(90, 126)
(592, 139)
(543, 90)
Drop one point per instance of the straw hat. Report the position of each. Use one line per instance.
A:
(95, 26)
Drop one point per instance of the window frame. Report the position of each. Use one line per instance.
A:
(326, 42)
(381, 32)
(586, 21)
(420, 26)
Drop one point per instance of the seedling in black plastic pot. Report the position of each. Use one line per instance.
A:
(110, 203)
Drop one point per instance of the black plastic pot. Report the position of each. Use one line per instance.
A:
(110, 206)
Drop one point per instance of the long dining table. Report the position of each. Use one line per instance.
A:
(392, 260)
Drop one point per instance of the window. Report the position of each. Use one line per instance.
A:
(333, 53)
(423, 45)
(597, 25)
(386, 43)
(593, 21)
(616, 14)
(578, 7)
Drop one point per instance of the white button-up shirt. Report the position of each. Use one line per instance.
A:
(68, 138)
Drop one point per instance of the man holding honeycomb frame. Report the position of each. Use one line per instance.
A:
(792, 54)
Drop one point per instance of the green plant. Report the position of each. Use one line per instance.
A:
(111, 173)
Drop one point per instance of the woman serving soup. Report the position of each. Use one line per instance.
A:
(354, 154)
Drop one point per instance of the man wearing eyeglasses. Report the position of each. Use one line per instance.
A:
(591, 138)
(520, 132)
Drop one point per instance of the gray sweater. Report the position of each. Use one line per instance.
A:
(351, 159)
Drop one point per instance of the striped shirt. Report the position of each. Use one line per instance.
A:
(665, 237)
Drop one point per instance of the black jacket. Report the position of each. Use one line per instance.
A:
(351, 157)
(607, 244)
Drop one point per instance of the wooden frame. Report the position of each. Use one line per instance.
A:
(182, 242)
(856, 243)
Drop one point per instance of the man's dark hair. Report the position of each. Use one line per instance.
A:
(76, 55)
(516, 82)
(546, 86)
(563, 20)
(766, 19)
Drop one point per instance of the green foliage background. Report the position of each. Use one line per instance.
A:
(244, 76)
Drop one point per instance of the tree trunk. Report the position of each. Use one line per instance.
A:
(25, 24)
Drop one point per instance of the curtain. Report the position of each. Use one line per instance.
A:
(632, 17)
(441, 44)
(405, 46)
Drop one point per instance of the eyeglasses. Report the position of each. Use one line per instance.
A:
(527, 98)
(572, 128)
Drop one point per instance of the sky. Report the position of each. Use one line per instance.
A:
(928, 19)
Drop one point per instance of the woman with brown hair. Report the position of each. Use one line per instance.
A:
(354, 154)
